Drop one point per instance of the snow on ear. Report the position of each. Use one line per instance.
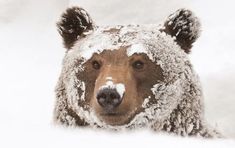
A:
(74, 23)
(184, 26)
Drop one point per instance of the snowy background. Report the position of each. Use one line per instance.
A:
(30, 61)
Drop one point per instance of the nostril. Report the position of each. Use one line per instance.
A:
(102, 96)
(101, 100)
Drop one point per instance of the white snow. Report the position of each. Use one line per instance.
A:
(96, 44)
(30, 61)
(109, 84)
(109, 78)
(136, 48)
(118, 86)
(120, 89)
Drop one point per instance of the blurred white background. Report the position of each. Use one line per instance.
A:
(31, 52)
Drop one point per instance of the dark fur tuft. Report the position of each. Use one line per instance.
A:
(74, 23)
(184, 26)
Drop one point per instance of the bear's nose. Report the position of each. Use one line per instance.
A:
(109, 98)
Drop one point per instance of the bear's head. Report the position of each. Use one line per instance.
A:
(125, 76)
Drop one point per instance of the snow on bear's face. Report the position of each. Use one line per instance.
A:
(126, 76)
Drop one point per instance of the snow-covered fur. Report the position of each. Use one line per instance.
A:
(184, 26)
(74, 23)
(176, 103)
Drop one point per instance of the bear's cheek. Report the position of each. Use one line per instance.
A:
(88, 77)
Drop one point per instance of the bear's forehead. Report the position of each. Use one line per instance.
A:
(159, 47)
(135, 37)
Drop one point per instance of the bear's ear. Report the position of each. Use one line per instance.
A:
(184, 26)
(75, 22)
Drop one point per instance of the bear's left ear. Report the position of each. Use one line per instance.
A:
(74, 23)
(184, 26)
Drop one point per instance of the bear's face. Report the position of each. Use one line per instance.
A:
(132, 77)
(125, 76)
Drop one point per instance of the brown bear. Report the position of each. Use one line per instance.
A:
(130, 76)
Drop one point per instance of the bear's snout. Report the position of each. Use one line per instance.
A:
(108, 98)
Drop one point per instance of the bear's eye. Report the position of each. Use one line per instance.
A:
(96, 65)
(138, 65)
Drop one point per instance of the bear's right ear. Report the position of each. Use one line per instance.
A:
(74, 23)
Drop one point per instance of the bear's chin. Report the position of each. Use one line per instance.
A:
(115, 119)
